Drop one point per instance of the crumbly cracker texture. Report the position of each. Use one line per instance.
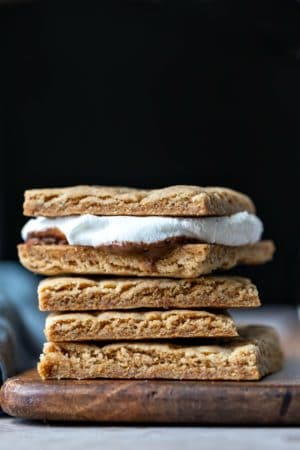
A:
(251, 356)
(116, 325)
(185, 261)
(111, 201)
(88, 294)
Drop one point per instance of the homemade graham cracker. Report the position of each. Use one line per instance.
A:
(116, 325)
(103, 200)
(185, 261)
(255, 354)
(87, 294)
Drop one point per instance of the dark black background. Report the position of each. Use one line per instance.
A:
(156, 93)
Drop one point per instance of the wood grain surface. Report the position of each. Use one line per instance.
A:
(274, 400)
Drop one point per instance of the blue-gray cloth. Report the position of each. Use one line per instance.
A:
(21, 323)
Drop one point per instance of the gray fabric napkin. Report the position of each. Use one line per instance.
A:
(21, 323)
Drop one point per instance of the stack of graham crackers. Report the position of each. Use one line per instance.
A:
(132, 298)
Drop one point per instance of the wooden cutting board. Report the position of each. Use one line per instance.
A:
(275, 400)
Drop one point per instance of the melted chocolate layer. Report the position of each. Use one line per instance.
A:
(47, 237)
(53, 236)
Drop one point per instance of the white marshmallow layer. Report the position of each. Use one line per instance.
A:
(239, 229)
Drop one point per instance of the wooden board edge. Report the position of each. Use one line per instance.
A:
(156, 402)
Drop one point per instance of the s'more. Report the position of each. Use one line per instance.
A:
(134, 288)
(177, 232)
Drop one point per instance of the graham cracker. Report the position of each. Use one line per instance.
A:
(88, 294)
(121, 325)
(185, 261)
(116, 201)
(251, 356)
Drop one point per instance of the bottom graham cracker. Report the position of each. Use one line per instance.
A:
(255, 353)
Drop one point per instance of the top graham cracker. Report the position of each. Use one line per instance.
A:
(117, 201)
